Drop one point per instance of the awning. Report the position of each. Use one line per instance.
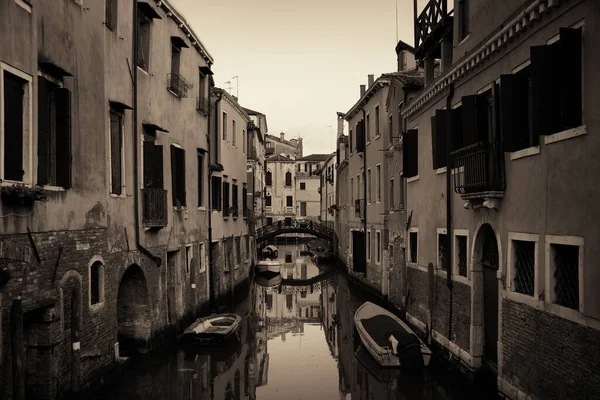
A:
(148, 10)
(154, 127)
(52, 68)
(206, 71)
(179, 42)
(120, 106)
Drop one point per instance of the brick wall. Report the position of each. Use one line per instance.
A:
(547, 356)
(417, 285)
(461, 311)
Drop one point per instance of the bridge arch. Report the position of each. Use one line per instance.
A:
(307, 226)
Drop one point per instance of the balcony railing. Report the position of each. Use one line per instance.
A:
(430, 24)
(359, 208)
(289, 210)
(202, 105)
(155, 208)
(269, 150)
(178, 85)
(478, 171)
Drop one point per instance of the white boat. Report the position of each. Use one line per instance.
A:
(389, 340)
(268, 265)
(214, 328)
(268, 279)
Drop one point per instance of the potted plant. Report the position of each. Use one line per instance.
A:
(22, 195)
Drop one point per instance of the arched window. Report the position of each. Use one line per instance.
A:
(269, 179)
(96, 277)
(288, 178)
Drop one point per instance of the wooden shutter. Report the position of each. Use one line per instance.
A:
(434, 144)
(13, 127)
(546, 107)
(441, 132)
(148, 150)
(410, 154)
(181, 185)
(43, 133)
(115, 152)
(200, 179)
(63, 137)
(234, 193)
(508, 117)
(158, 167)
(174, 180)
(570, 77)
(360, 136)
(244, 199)
(469, 120)
(457, 129)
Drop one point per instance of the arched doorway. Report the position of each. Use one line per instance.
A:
(133, 312)
(486, 262)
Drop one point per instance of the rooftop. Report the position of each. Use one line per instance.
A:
(314, 157)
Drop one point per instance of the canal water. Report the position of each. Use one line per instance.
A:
(296, 341)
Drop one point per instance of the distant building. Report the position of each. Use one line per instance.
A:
(307, 185)
(278, 145)
(280, 190)
(255, 164)
(327, 190)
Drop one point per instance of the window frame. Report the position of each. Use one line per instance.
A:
(101, 284)
(455, 260)
(201, 257)
(438, 266)
(550, 296)
(369, 245)
(189, 255)
(538, 286)
(409, 261)
(123, 194)
(378, 244)
(378, 182)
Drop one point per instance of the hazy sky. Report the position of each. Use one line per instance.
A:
(299, 61)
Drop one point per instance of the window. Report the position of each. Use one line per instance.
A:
(16, 122)
(303, 271)
(175, 82)
(54, 134)
(216, 193)
(461, 239)
(96, 271)
(202, 89)
(413, 239)
(224, 126)
(245, 199)
(463, 19)
(564, 271)
(269, 179)
(234, 201)
(360, 136)
(226, 204)
(289, 201)
(143, 40)
(303, 296)
(288, 258)
(302, 186)
(391, 129)
(233, 131)
(378, 242)
(367, 127)
(153, 163)
(369, 183)
(238, 251)
(303, 209)
(392, 205)
(305, 167)
(288, 178)
(178, 176)
(410, 156)
(401, 191)
(516, 106)
(377, 130)
(523, 266)
(244, 140)
(189, 254)
(358, 187)
(351, 149)
(378, 177)
(116, 152)
(202, 260)
(110, 14)
(269, 221)
(368, 245)
(442, 245)
(200, 158)
(438, 138)
(268, 200)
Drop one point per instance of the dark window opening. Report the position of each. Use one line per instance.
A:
(269, 179)
(234, 200)
(463, 19)
(200, 179)
(116, 151)
(288, 178)
(288, 258)
(565, 275)
(143, 41)
(410, 154)
(303, 209)
(377, 128)
(302, 186)
(96, 283)
(516, 106)
(289, 201)
(462, 255)
(245, 199)
(216, 193)
(110, 14)
(268, 200)
(153, 165)
(14, 95)
(178, 176)
(442, 246)
(269, 221)
(226, 204)
(438, 138)
(414, 238)
(524, 278)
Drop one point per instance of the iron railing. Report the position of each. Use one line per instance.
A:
(478, 169)
(359, 208)
(431, 21)
(295, 226)
(202, 105)
(155, 208)
(178, 85)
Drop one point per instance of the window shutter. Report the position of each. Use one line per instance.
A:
(508, 122)
(148, 150)
(360, 136)
(174, 180)
(434, 144)
(180, 160)
(43, 133)
(115, 152)
(441, 129)
(13, 125)
(410, 154)
(457, 129)
(546, 108)
(244, 198)
(158, 167)
(469, 120)
(200, 179)
(63, 137)
(570, 77)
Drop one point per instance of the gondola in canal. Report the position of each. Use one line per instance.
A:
(269, 262)
(215, 328)
(389, 340)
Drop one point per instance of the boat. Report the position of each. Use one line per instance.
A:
(214, 328)
(270, 252)
(369, 364)
(268, 278)
(268, 266)
(389, 340)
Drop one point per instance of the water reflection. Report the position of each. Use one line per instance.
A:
(295, 342)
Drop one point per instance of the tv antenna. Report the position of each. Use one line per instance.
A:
(228, 83)
(237, 86)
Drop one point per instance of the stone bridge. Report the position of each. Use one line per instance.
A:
(310, 227)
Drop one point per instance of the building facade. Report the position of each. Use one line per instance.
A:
(277, 145)
(327, 200)
(97, 265)
(255, 165)
(307, 183)
(280, 190)
(512, 282)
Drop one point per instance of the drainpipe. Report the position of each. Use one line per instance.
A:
(364, 132)
(449, 282)
(136, 189)
(211, 286)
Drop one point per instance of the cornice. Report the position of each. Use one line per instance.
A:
(228, 98)
(530, 16)
(378, 84)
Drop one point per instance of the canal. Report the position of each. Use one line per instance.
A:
(295, 342)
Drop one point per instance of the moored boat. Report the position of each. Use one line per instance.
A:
(214, 328)
(268, 266)
(389, 340)
(268, 279)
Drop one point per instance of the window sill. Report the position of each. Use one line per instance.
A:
(530, 151)
(377, 136)
(118, 196)
(184, 208)
(564, 135)
(202, 208)
(174, 94)
(417, 266)
(412, 179)
(202, 271)
(142, 70)
(96, 307)
(13, 183)
(24, 5)
(51, 188)
(464, 39)
(442, 170)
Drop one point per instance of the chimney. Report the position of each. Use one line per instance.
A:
(371, 79)
(401, 60)
(340, 123)
(342, 146)
(362, 90)
(282, 136)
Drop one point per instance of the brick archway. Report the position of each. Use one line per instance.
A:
(133, 312)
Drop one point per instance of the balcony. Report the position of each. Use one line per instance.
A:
(479, 172)
(433, 24)
(155, 208)
(178, 85)
(202, 105)
(289, 210)
(359, 208)
(269, 151)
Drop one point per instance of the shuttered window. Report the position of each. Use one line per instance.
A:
(178, 176)
(516, 103)
(360, 136)
(269, 178)
(116, 151)
(245, 198)
(226, 203)
(234, 195)
(438, 138)
(200, 159)
(288, 178)
(216, 193)
(410, 154)
(153, 165)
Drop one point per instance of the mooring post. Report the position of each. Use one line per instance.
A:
(18, 349)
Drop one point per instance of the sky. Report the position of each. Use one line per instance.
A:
(299, 61)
